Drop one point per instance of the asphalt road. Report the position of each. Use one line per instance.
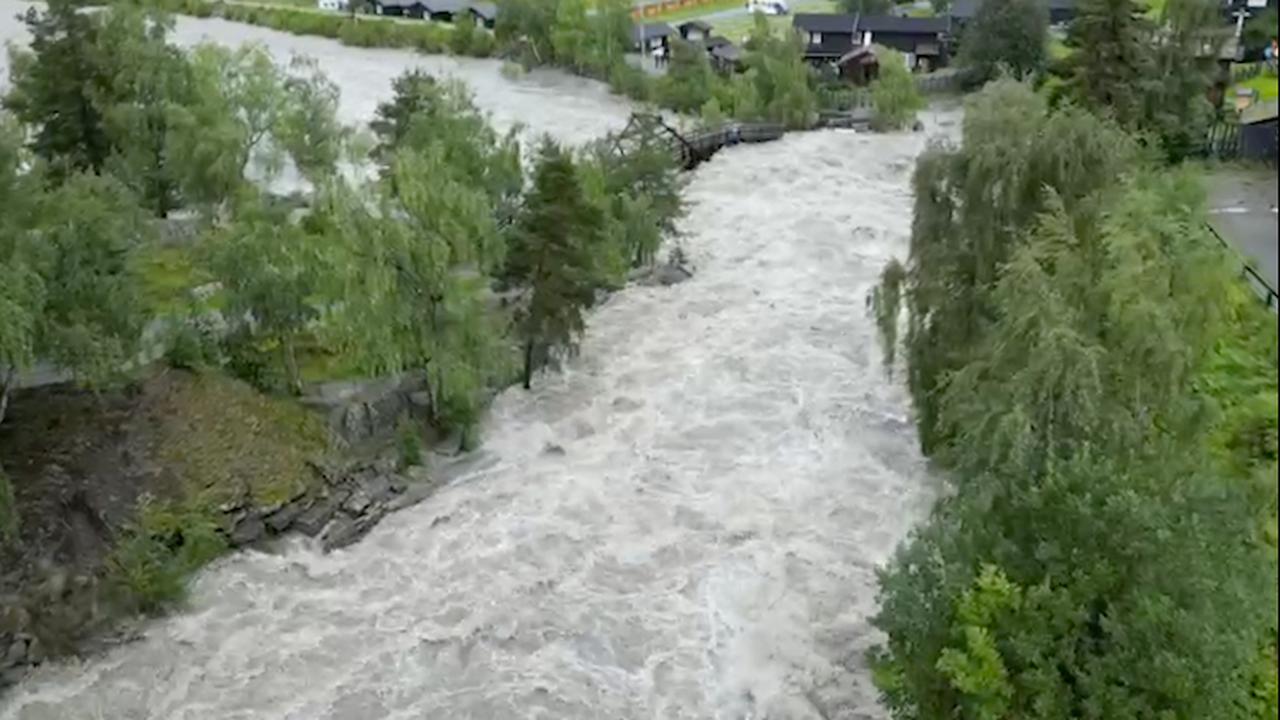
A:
(1242, 208)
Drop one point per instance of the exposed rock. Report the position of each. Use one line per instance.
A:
(247, 530)
(313, 520)
(282, 519)
(345, 530)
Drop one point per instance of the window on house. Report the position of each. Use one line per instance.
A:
(815, 38)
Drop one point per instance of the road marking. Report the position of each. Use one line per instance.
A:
(1237, 210)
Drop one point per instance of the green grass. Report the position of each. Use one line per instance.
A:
(226, 441)
(739, 27)
(1058, 49)
(168, 275)
(1265, 85)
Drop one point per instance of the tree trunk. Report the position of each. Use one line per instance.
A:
(291, 366)
(6, 382)
(528, 364)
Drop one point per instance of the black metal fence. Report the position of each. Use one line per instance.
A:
(1222, 141)
(1250, 275)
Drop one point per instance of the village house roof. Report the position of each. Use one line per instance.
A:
(486, 10)
(902, 25)
(824, 22)
(443, 6)
(684, 27)
(650, 31)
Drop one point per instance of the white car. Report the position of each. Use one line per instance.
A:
(768, 7)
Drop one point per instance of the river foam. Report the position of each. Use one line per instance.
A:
(735, 465)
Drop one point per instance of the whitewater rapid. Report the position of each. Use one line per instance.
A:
(735, 465)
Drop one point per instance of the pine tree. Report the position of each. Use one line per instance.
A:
(553, 252)
(1012, 35)
(1112, 64)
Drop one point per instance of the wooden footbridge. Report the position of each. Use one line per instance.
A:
(691, 150)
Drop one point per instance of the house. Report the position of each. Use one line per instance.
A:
(484, 13)
(694, 31)
(331, 4)
(1258, 128)
(925, 41)
(827, 36)
(725, 56)
(652, 38)
(859, 66)
(442, 10)
(396, 8)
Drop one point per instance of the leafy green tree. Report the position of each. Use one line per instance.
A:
(894, 97)
(557, 231)
(464, 36)
(1176, 108)
(21, 288)
(1007, 35)
(238, 100)
(88, 230)
(143, 77)
(781, 77)
(525, 26)
(308, 128)
(54, 86)
(972, 206)
(570, 35)
(689, 81)
(271, 271)
(610, 35)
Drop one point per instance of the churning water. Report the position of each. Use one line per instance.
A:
(735, 465)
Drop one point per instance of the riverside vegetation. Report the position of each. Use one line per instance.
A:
(1101, 389)
(452, 265)
(775, 85)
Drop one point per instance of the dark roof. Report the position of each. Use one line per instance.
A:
(486, 10)
(904, 25)
(862, 53)
(443, 6)
(696, 25)
(651, 31)
(716, 41)
(728, 52)
(824, 22)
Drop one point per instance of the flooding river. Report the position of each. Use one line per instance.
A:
(734, 467)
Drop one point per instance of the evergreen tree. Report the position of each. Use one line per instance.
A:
(553, 252)
(1012, 35)
(689, 81)
(1111, 66)
(56, 86)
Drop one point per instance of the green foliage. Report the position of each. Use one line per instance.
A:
(689, 81)
(894, 96)
(1151, 77)
(410, 444)
(270, 270)
(886, 307)
(783, 91)
(308, 128)
(65, 117)
(1259, 29)
(552, 251)
(88, 230)
(1082, 366)
(1010, 36)
(150, 564)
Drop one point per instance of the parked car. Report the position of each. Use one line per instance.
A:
(768, 7)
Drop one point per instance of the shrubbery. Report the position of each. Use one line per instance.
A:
(894, 96)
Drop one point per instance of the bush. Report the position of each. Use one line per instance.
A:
(894, 96)
(410, 443)
(630, 82)
(149, 567)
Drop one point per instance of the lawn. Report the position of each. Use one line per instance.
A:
(1265, 85)
(739, 26)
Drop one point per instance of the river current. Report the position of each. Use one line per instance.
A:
(685, 523)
